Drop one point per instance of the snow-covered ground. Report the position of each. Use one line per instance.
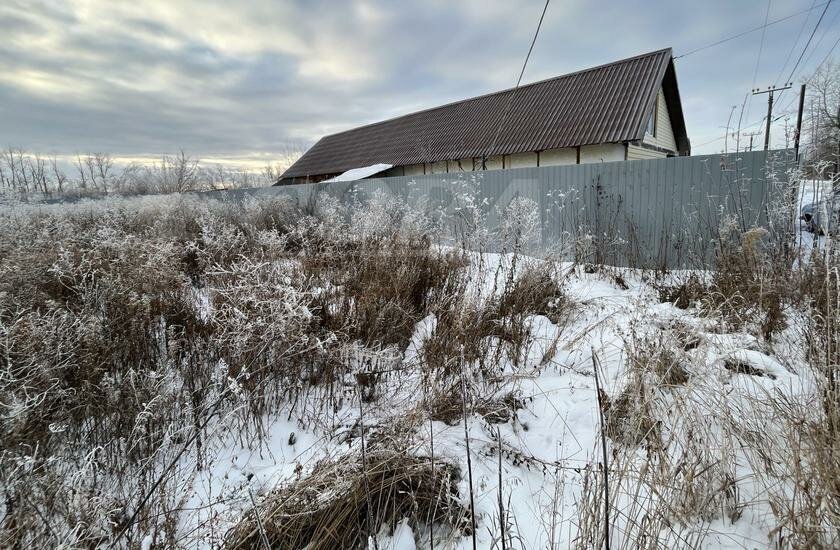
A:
(553, 443)
(810, 192)
(699, 411)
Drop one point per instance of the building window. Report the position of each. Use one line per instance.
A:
(650, 129)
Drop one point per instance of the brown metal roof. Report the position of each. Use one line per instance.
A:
(605, 104)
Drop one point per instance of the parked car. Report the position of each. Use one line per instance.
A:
(822, 217)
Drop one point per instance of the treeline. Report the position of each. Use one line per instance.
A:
(31, 175)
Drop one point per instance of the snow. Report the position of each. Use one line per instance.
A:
(402, 539)
(553, 440)
(810, 191)
(360, 173)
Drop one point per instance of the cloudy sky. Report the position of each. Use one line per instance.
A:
(248, 81)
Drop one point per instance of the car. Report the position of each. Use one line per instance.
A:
(821, 217)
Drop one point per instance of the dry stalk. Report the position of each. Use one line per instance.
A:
(604, 451)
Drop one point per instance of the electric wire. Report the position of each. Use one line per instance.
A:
(739, 35)
(518, 80)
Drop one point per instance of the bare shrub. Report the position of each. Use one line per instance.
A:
(110, 362)
(538, 290)
(749, 285)
(379, 289)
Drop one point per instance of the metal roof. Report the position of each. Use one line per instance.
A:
(606, 104)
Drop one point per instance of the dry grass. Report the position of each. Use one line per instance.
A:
(538, 290)
(750, 284)
(126, 327)
(378, 289)
(340, 503)
(683, 294)
(750, 287)
(106, 373)
(628, 418)
(446, 406)
(687, 453)
(489, 332)
(807, 504)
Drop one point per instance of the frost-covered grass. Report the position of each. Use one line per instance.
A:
(187, 373)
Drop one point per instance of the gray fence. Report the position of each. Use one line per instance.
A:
(661, 213)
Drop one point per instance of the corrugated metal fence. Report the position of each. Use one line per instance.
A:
(661, 213)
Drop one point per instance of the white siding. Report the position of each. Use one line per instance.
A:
(414, 170)
(521, 160)
(463, 165)
(557, 157)
(664, 132)
(437, 167)
(607, 152)
(392, 172)
(494, 163)
(635, 152)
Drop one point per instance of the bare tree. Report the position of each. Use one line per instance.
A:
(824, 119)
(38, 174)
(176, 174)
(271, 173)
(100, 165)
(58, 175)
(80, 170)
(15, 161)
(290, 153)
(23, 172)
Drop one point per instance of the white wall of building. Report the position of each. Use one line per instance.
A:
(664, 133)
(636, 152)
(461, 165)
(558, 157)
(607, 152)
(413, 170)
(493, 163)
(521, 160)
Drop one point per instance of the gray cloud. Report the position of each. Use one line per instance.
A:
(250, 81)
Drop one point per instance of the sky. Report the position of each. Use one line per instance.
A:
(251, 82)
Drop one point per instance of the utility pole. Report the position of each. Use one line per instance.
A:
(769, 91)
(752, 135)
(837, 158)
(798, 133)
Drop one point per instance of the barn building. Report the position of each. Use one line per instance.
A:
(625, 110)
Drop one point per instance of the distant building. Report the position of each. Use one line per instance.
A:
(625, 110)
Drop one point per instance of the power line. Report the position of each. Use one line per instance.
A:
(769, 118)
(710, 141)
(739, 35)
(793, 47)
(798, 61)
(783, 114)
(761, 44)
(816, 69)
(808, 43)
(822, 37)
(825, 58)
(758, 59)
(519, 80)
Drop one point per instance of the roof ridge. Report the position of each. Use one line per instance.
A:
(602, 104)
(500, 92)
